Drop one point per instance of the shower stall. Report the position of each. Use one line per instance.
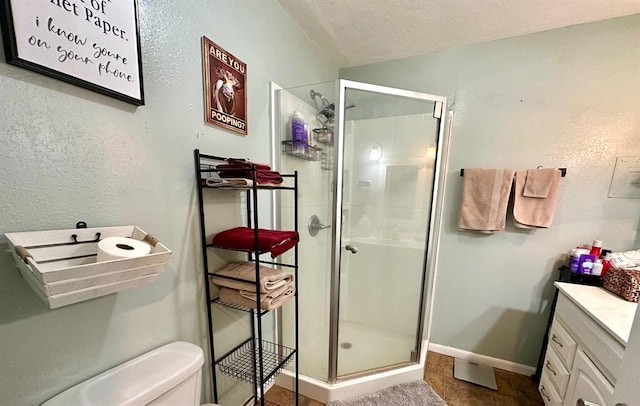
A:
(368, 210)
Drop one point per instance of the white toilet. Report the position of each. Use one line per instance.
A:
(167, 376)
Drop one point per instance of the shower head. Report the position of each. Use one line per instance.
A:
(325, 110)
(323, 100)
(313, 94)
(329, 111)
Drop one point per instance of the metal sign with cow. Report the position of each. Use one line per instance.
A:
(225, 79)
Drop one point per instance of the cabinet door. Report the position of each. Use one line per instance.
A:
(548, 392)
(558, 374)
(588, 383)
(563, 344)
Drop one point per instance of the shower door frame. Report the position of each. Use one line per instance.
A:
(433, 226)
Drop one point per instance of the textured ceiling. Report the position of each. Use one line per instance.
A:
(356, 32)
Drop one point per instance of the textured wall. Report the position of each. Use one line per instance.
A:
(563, 98)
(70, 154)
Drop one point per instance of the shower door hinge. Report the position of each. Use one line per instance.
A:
(414, 356)
(437, 110)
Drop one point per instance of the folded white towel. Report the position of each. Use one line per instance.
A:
(228, 182)
(626, 259)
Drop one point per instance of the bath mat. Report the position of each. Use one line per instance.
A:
(417, 393)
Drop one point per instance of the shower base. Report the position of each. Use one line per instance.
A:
(369, 347)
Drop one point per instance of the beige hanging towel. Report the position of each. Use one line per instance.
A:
(485, 195)
(539, 181)
(538, 211)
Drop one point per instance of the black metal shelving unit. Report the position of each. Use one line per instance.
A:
(255, 360)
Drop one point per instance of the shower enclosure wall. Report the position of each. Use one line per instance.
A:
(368, 170)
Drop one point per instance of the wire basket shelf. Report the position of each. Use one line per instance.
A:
(237, 307)
(239, 363)
(326, 160)
(301, 150)
(323, 135)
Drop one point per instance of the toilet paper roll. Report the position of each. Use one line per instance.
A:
(121, 247)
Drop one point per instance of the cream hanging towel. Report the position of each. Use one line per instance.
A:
(536, 211)
(485, 195)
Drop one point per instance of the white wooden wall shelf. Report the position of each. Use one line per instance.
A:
(62, 268)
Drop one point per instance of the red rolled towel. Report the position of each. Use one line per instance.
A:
(242, 238)
(268, 177)
(237, 168)
(243, 164)
(262, 177)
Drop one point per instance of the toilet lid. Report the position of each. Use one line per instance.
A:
(138, 381)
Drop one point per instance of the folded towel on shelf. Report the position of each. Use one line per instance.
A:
(272, 294)
(534, 212)
(262, 177)
(235, 168)
(626, 259)
(217, 182)
(268, 177)
(270, 279)
(243, 238)
(538, 182)
(235, 163)
(233, 296)
(485, 194)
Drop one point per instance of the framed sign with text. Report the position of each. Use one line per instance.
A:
(225, 83)
(94, 44)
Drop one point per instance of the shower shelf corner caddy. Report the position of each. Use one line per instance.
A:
(306, 151)
(255, 360)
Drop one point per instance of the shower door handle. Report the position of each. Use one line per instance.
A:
(351, 248)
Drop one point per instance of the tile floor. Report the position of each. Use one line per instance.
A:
(513, 389)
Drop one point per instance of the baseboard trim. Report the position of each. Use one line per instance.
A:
(483, 359)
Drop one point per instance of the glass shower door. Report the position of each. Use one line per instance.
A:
(389, 145)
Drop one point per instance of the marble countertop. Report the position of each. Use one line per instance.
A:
(610, 311)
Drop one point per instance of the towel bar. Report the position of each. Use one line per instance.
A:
(563, 172)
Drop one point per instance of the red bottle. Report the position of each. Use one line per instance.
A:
(606, 263)
(596, 248)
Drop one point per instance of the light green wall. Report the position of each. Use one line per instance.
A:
(69, 154)
(562, 98)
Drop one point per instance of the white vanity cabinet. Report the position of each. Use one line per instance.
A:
(588, 334)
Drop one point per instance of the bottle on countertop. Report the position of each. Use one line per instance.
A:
(575, 259)
(596, 248)
(597, 267)
(606, 263)
(586, 262)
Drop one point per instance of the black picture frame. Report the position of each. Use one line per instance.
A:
(94, 44)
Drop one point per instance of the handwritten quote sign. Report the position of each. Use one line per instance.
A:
(91, 43)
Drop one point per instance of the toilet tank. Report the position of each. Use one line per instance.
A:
(168, 376)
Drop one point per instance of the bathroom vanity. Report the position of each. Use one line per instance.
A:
(587, 340)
